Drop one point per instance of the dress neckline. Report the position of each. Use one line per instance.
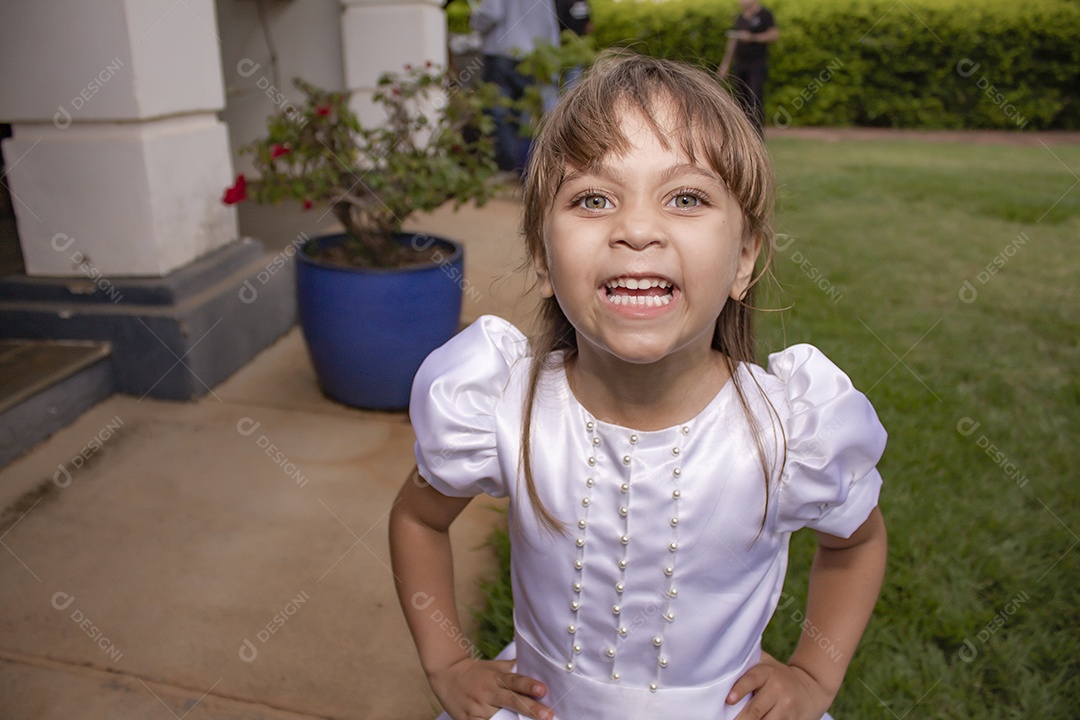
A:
(717, 399)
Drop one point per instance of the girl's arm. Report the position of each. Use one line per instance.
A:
(845, 580)
(424, 576)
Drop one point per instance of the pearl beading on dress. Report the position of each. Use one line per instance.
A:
(579, 543)
(671, 592)
(624, 513)
(621, 631)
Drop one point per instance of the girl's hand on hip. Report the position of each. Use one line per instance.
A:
(780, 692)
(476, 689)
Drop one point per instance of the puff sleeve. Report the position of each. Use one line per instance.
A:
(834, 441)
(452, 408)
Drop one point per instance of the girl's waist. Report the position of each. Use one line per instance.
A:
(576, 695)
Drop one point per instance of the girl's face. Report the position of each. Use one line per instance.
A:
(643, 251)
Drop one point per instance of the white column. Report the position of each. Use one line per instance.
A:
(385, 35)
(118, 158)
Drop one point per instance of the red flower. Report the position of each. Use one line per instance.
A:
(308, 204)
(408, 67)
(323, 110)
(395, 91)
(277, 151)
(237, 192)
(427, 63)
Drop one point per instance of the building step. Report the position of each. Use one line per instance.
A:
(46, 385)
(173, 337)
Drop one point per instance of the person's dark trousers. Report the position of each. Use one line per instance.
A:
(748, 82)
(502, 71)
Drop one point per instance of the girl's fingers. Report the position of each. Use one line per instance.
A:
(523, 685)
(520, 693)
(756, 709)
(483, 687)
(538, 711)
(753, 679)
(525, 705)
(506, 666)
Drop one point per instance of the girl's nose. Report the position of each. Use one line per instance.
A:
(638, 227)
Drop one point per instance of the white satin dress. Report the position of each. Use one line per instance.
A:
(653, 602)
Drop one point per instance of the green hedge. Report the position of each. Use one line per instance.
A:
(919, 63)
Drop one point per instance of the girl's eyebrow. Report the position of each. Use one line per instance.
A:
(606, 173)
(691, 169)
(598, 170)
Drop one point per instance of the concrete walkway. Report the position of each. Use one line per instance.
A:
(228, 558)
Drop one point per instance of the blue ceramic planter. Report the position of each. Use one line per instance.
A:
(368, 330)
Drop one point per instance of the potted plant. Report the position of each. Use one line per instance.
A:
(373, 301)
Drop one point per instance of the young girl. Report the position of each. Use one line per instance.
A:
(655, 473)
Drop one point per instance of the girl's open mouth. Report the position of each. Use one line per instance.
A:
(645, 292)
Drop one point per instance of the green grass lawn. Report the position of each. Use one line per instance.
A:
(977, 378)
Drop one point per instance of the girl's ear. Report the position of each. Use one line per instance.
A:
(748, 254)
(544, 276)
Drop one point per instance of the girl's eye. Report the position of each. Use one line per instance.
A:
(686, 200)
(594, 202)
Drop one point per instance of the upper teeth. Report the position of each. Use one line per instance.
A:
(638, 283)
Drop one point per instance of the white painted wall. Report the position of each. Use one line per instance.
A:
(117, 156)
(335, 44)
(127, 115)
(136, 199)
(307, 38)
(383, 36)
(107, 60)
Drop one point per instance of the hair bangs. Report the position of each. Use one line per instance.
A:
(684, 106)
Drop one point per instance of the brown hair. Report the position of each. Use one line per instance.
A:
(712, 131)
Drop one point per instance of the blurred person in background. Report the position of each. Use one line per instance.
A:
(510, 29)
(746, 57)
(575, 16)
